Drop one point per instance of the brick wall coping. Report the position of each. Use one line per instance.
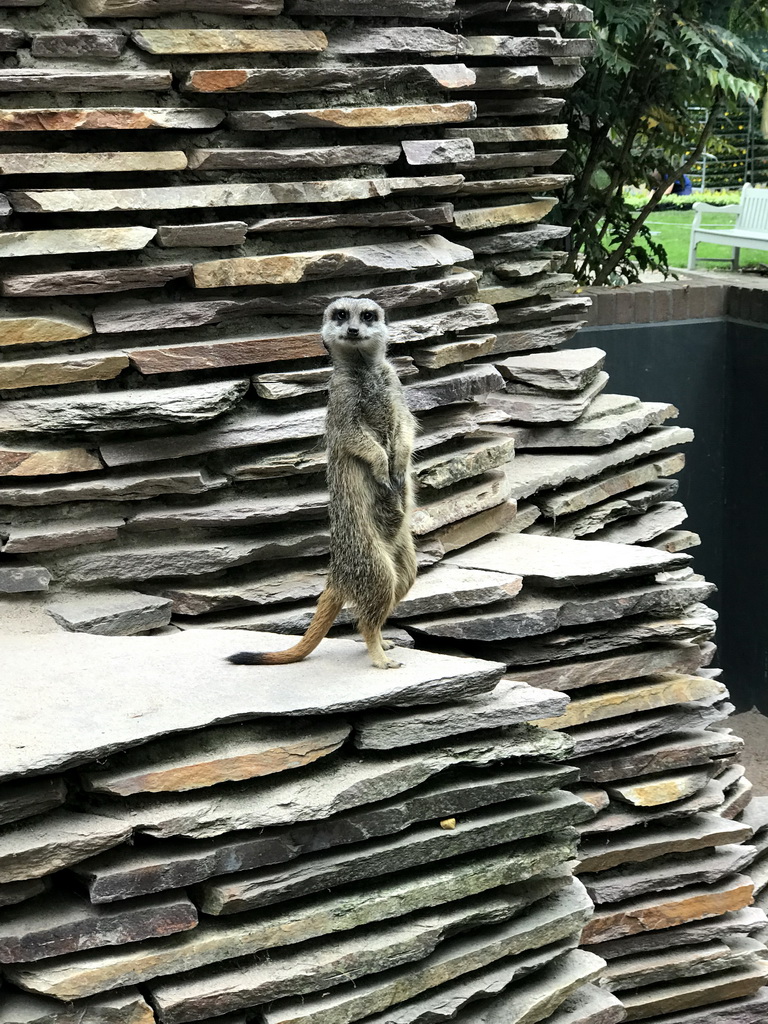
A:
(697, 295)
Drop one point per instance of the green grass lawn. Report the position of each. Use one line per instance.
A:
(673, 229)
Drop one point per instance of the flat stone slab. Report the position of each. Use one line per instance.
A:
(25, 799)
(116, 485)
(90, 163)
(661, 789)
(664, 689)
(241, 934)
(562, 370)
(110, 612)
(542, 471)
(596, 428)
(672, 752)
(617, 816)
(128, 1007)
(748, 921)
(51, 926)
(537, 612)
(667, 910)
(628, 506)
(158, 40)
(420, 845)
(12, 893)
(642, 529)
(132, 871)
(443, 1002)
(590, 1005)
(144, 408)
(183, 197)
(751, 1010)
(681, 962)
(681, 995)
(537, 996)
(130, 686)
(550, 920)
(290, 268)
(228, 753)
(393, 116)
(558, 562)
(532, 406)
(667, 624)
(572, 675)
(48, 842)
(319, 965)
(695, 833)
(705, 867)
(509, 704)
(42, 329)
(327, 789)
(567, 501)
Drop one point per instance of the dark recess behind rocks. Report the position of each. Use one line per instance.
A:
(715, 371)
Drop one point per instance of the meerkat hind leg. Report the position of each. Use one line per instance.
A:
(375, 644)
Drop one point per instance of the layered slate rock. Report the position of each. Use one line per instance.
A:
(470, 867)
(193, 663)
(162, 459)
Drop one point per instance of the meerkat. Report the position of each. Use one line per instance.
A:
(369, 437)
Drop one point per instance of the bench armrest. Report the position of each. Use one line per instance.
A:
(701, 208)
(711, 208)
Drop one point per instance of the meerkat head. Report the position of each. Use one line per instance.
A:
(355, 327)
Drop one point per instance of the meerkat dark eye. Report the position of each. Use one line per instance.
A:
(340, 314)
(369, 316)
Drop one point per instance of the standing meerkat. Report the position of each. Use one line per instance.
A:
(369, 436)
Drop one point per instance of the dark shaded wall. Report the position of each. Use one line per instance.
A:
(716, 373)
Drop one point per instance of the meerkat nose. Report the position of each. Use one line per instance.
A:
(353, 332)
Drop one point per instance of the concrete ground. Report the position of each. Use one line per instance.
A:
(24, 613)
(753, 728)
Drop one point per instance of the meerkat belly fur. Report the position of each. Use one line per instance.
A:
(369, 437)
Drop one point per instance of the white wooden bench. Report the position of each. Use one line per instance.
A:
(749, 232)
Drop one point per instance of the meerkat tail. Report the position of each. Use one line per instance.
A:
(328, 607)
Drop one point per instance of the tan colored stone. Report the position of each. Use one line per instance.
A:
(208, 40)
(44, 462)
(32, 373)
(39, 330)
(220, 754)
(290, 268)
(52, 243)
(662, 789)
(668, 909)
(354, 117)
(88, 163)
(67, 119)
(596, 798)
(655, 691)
(502, 216)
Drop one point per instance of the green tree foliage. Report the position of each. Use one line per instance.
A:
(643, 113)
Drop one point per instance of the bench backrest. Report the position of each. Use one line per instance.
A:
(753, 215)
